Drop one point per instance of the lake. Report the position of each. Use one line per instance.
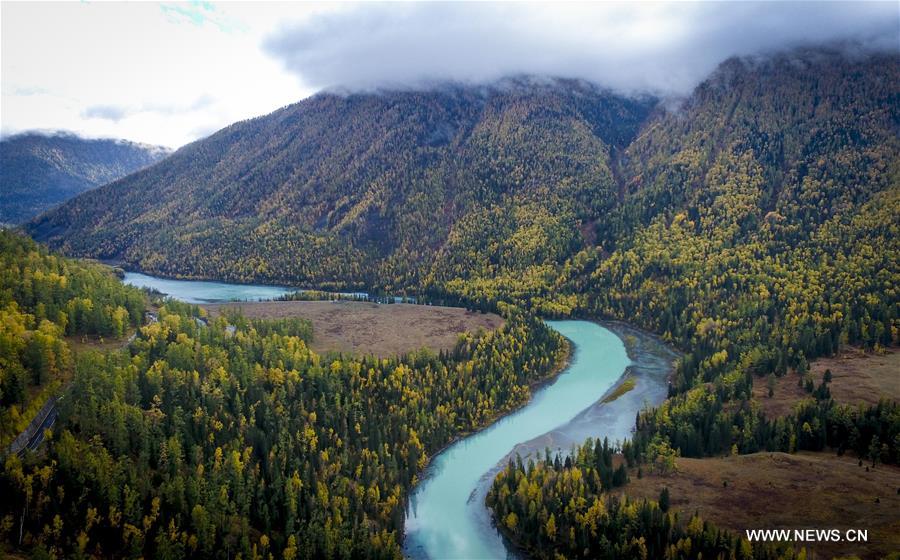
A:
(201, 291)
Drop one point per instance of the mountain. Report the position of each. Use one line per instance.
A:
(39, 171)
(762, 220)
(488, 190)
(365, 189)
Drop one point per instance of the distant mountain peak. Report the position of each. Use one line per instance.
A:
(41, 169)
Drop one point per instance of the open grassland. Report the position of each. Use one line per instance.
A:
(786, 394)
(857, 377)
(786, 491)
(804, 490)
(861, 377)
(370, 328)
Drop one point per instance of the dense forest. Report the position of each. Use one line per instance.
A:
(39, 171)
(45, 300)
(201, 441)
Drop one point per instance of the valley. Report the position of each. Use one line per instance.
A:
(39, 171)
(410, 405)
(446, 516)
(615, 295)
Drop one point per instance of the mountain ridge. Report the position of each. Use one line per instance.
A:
(338, 171)
(395, 189)
(39, 170)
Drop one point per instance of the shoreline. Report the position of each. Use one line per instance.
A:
(286, 285)
(651, 364)
(652, 360)
(647, 352)
(557, 369)
(631, 336)
(127, 267)
(198, 278)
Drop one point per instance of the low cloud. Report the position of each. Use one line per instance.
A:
(113, 113)
(198, 104)
(116, 113)
(635, 47)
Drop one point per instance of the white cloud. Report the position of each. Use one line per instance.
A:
(157, 73)
(170, 73)
(660, 47)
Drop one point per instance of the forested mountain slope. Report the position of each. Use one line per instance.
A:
(488, 190)
(769, 204)
(759, 230)
(807, 136)
(39, 171)
(365, 189)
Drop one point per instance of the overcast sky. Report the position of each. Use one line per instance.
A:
(169, 73)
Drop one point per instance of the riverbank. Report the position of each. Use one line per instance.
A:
(561, 364)
(651, 368)
(652, 365)
(446, 512)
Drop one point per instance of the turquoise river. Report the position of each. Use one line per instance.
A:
(446, 515)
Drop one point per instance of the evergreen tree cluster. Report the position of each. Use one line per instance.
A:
(204, 441)
(44, 299)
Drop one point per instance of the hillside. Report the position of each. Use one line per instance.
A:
(408, 189)
(759, 229)
(39, 171)
(364, 189)
(774, 196)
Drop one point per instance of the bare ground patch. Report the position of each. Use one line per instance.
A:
(786, 491)
(370, 328)
(84, 343)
